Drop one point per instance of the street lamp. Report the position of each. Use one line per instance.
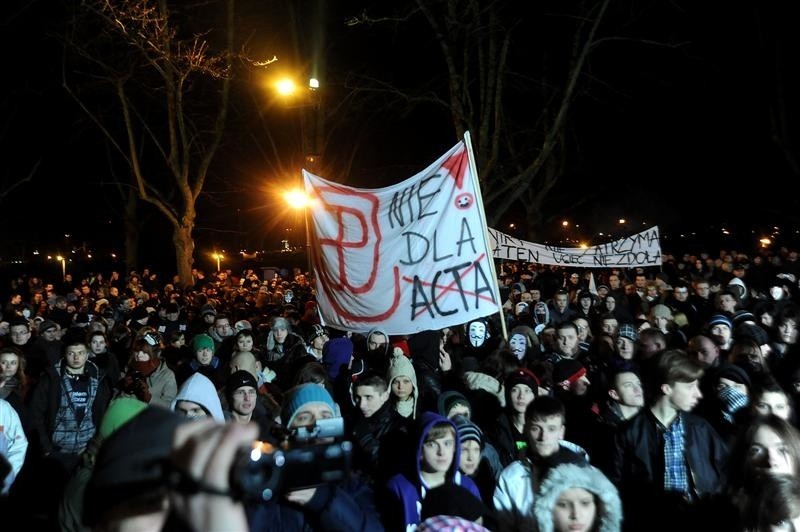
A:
(299, 200)
(63, 266)
(309, 100)
(218, 257)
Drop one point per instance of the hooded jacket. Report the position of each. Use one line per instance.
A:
(568, 476)
(410, 492)
(199, 389)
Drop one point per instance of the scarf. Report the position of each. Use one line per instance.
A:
(146, 367)
(405, 408)
(732, 401)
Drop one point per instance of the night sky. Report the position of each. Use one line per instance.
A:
(682, 103)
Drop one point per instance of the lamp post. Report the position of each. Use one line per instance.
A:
(308, 100)
(218, 257)
(63, 266)
(299, 200)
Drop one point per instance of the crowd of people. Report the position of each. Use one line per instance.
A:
(598, 400)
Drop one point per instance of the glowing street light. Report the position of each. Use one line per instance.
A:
(63, 266)
(218, 257)
(297, 199)
(285, 86)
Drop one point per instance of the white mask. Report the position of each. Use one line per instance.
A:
(518, 344)
(477, 333)
(776, 292)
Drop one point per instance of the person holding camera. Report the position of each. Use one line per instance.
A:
(342, 505)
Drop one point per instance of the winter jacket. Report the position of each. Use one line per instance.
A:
(46, 397)
(13, 443)
(345, 507)
(163, 387)
(637, 470)
(568, 476)
(519, 481)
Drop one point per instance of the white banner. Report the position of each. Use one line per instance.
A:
(641, 249)
(405, 258)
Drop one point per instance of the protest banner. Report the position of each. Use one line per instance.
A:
(405, 258)
(641, 249)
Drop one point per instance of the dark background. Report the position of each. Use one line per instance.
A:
(677, 126)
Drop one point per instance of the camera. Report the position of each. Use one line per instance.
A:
(302, 460)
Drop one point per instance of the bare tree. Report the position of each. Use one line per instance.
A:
(517, 111)
(170, 98)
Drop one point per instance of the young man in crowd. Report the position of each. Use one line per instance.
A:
(668, 461)
(375, 428)
(545, 426)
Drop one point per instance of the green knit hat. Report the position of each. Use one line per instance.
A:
(202, 341)
(119, 411)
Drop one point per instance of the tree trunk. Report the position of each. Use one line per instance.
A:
(184, 250)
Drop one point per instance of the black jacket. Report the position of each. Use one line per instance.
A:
(638, 465)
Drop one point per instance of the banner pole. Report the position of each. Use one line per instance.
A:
(490, 253)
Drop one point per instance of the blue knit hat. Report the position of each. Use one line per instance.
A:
(720, 319)
(467, 430)
(302, 395)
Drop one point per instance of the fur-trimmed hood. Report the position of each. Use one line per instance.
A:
(567, 476)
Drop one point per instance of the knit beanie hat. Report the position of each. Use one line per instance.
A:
(242, 325)
(752, 332)
(47, 324)
(743, 316)
(626, 330)
(452, 499)
(317, 330)
(400, 366)
(717, 319)
(522, 376)
(280, 323)
(467, 430)
(733, 373)
(119, 411)
(336, 353)
(447, 400)
(202, 341)
(661, 311)
(302, 395)
(239, 379)
(567, 371)
(402, 345)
